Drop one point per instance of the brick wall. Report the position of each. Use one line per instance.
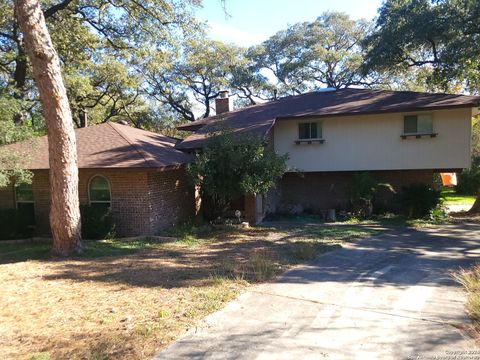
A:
(143, 201)
(7, 197)
(172, 199)
(317, 191)
(41, 195)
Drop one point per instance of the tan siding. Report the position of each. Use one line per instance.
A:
(373, 142)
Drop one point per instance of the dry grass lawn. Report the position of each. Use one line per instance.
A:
(130, 306)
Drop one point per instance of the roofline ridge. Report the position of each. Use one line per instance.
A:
(128, 140)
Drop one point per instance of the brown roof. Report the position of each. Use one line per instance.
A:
(110, 145)
(258, 119)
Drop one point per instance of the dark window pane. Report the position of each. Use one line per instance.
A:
(99, 189)
(410, 124)
(313, 131)
(24, 193)
(304, 131)
(102, 207)
(424, 124)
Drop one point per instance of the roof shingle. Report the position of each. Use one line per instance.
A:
(109, 145)
(258, 119)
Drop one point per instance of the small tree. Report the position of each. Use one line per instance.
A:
(231, 165)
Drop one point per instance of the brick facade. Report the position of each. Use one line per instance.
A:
(319, 191)
(143, 201)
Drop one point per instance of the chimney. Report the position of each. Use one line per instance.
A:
(223, 103)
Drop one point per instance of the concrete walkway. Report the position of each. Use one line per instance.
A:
(389, 297)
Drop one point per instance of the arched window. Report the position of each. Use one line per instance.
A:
(25, 203)
(99, 192)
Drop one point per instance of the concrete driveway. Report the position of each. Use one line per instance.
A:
(388, 297)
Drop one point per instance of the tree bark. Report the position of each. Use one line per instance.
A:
(64, 207)
(476, 205)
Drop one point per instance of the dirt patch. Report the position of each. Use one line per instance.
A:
(131, 306)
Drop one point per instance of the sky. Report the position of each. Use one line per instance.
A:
(249, 22)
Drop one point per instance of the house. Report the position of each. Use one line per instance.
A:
(138, 174)
(400, 137)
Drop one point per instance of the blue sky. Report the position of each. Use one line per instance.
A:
(252, 21)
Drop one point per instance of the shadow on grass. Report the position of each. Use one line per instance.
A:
(184, 264)
(11, 253)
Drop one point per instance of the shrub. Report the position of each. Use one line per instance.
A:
(362, 191)
(15, 224)
(468, 182)
(418, 200)
(97, 222)
(232, 165)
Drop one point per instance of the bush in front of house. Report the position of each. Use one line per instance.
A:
(97, 222)
(363, 189)
(418, 200)
(468, 181)
(15, 224)
(232, 165)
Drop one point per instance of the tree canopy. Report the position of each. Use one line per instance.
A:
(439, 37)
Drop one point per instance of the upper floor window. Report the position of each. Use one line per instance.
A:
(418, 124)
(311, 130)
(25, 203)
(99, 192)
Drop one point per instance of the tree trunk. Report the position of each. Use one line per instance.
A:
(64, 210)
(476, 206)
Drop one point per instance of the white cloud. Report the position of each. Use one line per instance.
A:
(229, 34)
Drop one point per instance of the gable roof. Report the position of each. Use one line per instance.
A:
(258, 119)
(109, 145)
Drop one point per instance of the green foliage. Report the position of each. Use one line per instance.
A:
(100, 43)
(439, 37)
(14, 224)
(468, 181)
(326, 52)
(97, 222)
(362, 191)
(363, 186)
(233, 165)
(418, 200)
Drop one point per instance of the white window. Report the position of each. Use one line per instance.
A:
(311, 130)
(418, 124)
(99, 192)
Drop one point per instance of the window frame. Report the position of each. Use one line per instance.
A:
(319, 129)
(418, 133)
(90, 202)
(33, 218)
(17, 201)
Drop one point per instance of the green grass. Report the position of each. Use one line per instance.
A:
(337, 232)
(452, 198)
(93, 249)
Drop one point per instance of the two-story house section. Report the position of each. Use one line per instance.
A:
(400, 137)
